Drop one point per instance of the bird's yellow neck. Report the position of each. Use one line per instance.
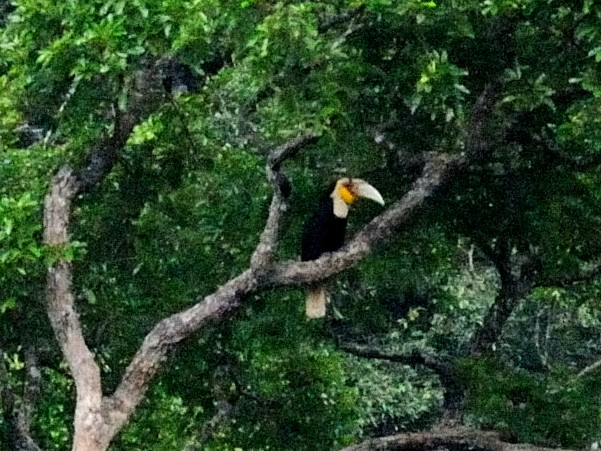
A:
(347, 195)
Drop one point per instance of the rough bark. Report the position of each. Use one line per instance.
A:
(519, 275)
(379, 230)
(98, 418)
(61, 309)
(93, 425)
(443, 439)
(262, 257)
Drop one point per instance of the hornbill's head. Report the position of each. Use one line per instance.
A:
(347, 190)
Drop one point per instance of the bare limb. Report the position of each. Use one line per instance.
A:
(98, 418)
(165, 335)
(288, 150)
(18, 408)
(175, 328)
(443, 438)
(61, 300)
(477, 141)
(578, 163)
(224, 301)
(144, 96)
(416, 357)
(90, 418)
(263, 255)
(380, 229)
(589, 369)
(227, 299)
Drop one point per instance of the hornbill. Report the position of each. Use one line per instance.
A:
(325, 230)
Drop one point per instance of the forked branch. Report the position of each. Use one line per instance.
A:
(98, 418)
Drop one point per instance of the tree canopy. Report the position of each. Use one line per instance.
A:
(159, 159)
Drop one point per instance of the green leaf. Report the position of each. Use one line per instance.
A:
(89, 295)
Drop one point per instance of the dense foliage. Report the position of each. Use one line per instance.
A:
(381, 82)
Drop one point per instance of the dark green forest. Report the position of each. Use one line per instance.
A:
(159, 160)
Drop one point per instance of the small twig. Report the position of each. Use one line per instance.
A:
(477, 141)
(587, 273)
(262, 257)
(542, 354)
(589, 369)
(18, 409)
(576, 163)
(209, 429)
(328, 22)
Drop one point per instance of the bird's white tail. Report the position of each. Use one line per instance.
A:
(316, 302)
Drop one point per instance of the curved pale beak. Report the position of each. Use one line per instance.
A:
(363, 189)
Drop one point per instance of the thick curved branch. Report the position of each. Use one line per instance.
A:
(227, 299)
(97, 418)
(263, 255)
(444, 438)
(170, 331)
(165, 335)
(435, 174)
(61, 300)
(64, 188)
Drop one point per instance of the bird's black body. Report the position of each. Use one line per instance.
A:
(326, 229)
(324, 232)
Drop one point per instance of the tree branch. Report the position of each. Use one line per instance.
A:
(97, 418)
(589, 369)
(228, 298)
(519, 276)
(416, 357)
(380, 229)
(144, 95)
(444, 368)
(18, 409)
(576, 163)
(263, 255)
(587, 273)
(90, 423)
(478, 141)
(444, 438)
(171, 330)
(61, 300)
